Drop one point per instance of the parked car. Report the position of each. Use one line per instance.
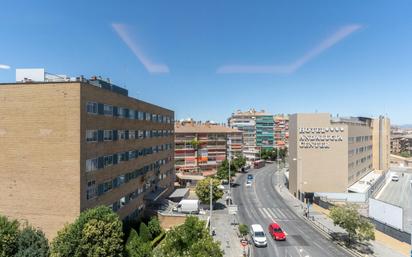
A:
(276, 232)
(258, 235)
(248, 183)
(395, 178)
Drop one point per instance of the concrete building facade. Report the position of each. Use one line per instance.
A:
(201, 147)
(257, 128)
(281, 131)
(73, 145)
(330, 154)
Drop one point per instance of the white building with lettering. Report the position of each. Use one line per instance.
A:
(330, 154)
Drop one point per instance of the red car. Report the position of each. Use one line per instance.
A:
(276, 232)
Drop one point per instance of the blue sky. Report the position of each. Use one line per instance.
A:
(206, 59)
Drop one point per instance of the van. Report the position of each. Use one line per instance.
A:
(188, 206)
(258, 235)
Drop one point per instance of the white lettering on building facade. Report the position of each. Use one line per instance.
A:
(319, 137)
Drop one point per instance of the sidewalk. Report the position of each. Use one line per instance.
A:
(226, 232)
(383, 246)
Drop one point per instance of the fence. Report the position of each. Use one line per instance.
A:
(391, 231)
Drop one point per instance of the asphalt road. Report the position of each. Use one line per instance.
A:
(261, 204)
(399, 193)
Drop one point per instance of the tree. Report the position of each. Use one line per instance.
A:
(136, 247)
(144, 233)
(195, 144)
(283, 153)
(154, 227)
(405, 154)
(190, 239)
(203, 190)
(239, 162)
(223, 170)
(348, 218)
(243, 229)
(9, 234)
(96, 232)
(32, 243)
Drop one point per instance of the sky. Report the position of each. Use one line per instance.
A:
(207, 59)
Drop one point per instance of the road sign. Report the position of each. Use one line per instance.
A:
(233, 209)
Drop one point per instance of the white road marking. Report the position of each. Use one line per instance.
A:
(263, 213)
(273, 214)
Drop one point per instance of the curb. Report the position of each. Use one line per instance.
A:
(317, 228)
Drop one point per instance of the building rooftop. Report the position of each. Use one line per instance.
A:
(198, 127)
(251, 112)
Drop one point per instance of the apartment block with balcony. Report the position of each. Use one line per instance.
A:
(69, 145)
(201, 147)
(257, 129)
(281, 131)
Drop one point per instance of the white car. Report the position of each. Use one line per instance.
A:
(248, 183)
(258, 235)
(395, 178)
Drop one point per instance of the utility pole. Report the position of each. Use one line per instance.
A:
(229, 155)
(211, 207)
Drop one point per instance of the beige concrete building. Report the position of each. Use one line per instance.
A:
(200, 147)
(330, 154)
(69, 146)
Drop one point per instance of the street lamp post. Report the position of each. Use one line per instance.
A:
(229, 157)
(211, 206)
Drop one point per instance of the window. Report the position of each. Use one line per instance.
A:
(154, 117)
(122, 201)
(146, 134)
(108, 110)
(91, 165)
(140, 115)
(124, 156)
(122, 134)
(91, 107)
(131, 114)
(108, 135)
(148, 116)
(132, 134)
(123, 112)
(91, 191)
(108, 160)
(91, 135)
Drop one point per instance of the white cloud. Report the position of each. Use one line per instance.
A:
(125, 36)
(330, 41)
(4, 66)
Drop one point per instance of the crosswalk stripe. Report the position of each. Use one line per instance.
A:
(263, 214)
(274, 217)
(283, 214)
(268, 214)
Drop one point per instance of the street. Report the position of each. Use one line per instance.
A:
(262, 204)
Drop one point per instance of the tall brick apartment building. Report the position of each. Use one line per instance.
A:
(72, 145)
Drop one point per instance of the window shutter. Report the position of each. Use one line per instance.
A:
(115, 111)
(100, 162)
(100, 189)
(115, 159)
(136, 114)
(126, 134)
(115, 135)
(100, 135)
(126, 113)
(100, 108)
